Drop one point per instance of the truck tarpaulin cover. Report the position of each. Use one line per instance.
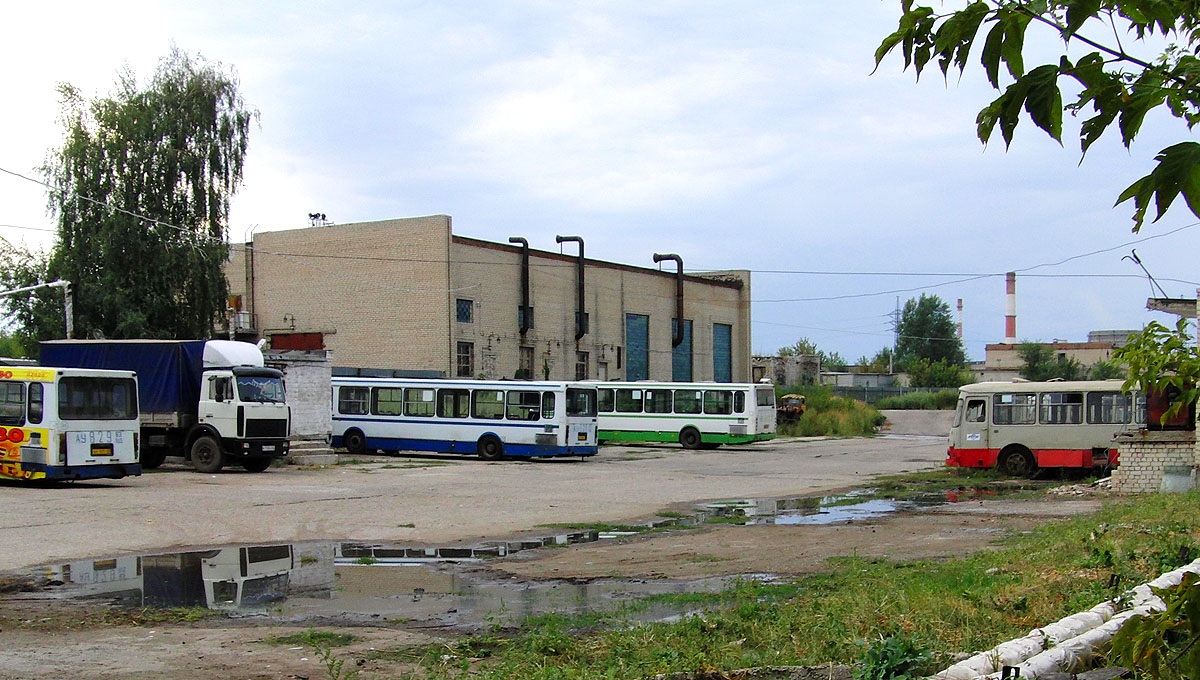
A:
(168, 372)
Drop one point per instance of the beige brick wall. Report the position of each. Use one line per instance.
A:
(1151, 460)
(385, 295)
(377, 289)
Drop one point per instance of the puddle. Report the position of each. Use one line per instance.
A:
(350, 583)
(442, 587)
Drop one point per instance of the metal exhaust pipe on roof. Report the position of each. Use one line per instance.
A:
(677, 340)
(526, 320)
(580, 325)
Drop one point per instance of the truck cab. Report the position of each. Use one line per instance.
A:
(246, 407)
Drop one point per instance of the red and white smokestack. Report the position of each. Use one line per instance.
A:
(960, 318)
(1010, 309)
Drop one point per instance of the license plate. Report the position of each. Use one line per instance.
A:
(268, 447)
(102, 449)
(582, 436)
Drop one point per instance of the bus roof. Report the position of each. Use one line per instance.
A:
(1042, 386)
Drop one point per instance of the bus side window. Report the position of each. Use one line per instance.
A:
(36, 403)
(523, 405)
(718, 402)
(352, 401)
(629, 401)
(739, 402)
(453, 404)
(604, 400)
(658, 401)
(487, 404)
(976, 411)
(12, 403)
(548, 404)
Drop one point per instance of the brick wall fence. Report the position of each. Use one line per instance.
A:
(306, 376)
(1155, 460)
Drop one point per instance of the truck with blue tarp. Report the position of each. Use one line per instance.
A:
(213, 402)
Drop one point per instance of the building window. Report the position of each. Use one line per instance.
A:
(722, 352)
(465, 364)
(465, 310)
(602, 370)
(681, 354)
(581, 322)
(525, 364)
(581, 365)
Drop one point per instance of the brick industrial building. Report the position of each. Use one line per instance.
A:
(408, 296)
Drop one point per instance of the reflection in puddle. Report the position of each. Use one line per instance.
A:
(344, 582)
(422, 586)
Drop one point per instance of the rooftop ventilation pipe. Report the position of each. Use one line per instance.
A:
(580, 328)
(659, 257)
(526, 321)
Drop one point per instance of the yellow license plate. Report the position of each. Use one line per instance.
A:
(102, 449)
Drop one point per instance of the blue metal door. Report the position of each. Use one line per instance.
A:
(637, 342)
(722, 352)
(681, 355)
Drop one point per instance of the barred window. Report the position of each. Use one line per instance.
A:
(465, 363)
(464, 310)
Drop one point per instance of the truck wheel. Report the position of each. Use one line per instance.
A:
(153, 458)
(257, 464)
(689, 438)
(489, 448)
(207, 455)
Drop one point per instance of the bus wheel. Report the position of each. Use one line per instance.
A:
(206, 455)
(689, 438)
(1017, 461)
(257, 464)
(489, 448)
(152, 458)
(355, 442)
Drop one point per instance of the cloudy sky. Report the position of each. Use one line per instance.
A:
(738, 135)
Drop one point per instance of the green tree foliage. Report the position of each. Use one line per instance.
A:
(880, 363)
(1106, 370)
(1163, 645)
(41, 309)
(1038, 362)
(1163, 360)
(926, 373)
(142, 186)
(1115, 85)
(928, 331)
(830, 361)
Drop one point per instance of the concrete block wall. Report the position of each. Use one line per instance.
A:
(306, 376)
(1155, 460)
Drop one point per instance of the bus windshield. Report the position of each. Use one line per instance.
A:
(581, 402)
(86, 398)
(260, 389)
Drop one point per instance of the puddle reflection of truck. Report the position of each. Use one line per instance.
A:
(226, 578)
(212, 402)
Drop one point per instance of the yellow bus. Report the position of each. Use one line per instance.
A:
(68, 423)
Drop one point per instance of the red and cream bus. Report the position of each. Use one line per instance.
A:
(1020, 427)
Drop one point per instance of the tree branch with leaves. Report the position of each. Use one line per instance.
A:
(1115, 85)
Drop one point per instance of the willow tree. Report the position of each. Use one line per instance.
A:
(141, 189)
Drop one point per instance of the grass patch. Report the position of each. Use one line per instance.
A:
(317, 639)
(949, 606)
(600, 526)
(830, 415)
(943, 400)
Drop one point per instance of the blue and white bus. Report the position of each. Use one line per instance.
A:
(489, 418)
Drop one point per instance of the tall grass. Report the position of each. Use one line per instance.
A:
(952, 606)
(927, 401)
(831, 415)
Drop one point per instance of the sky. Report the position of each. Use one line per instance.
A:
(738, 135)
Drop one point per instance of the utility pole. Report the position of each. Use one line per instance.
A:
(68, 299)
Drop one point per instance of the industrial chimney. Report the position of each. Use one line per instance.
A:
(959, 329)
(1010, 309)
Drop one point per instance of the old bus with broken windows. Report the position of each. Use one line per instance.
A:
(1021, 427)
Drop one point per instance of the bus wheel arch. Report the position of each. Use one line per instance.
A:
(355, 442)
(689, 438)
(1016, 461)
(489, 447)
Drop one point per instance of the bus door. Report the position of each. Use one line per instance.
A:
(975, 424)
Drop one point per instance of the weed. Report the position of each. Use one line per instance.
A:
(317, 639)
(306, 560)
(366, 559)
(897, 657)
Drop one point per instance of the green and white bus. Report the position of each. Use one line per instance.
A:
(697, 415)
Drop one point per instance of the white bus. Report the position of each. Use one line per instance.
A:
(489, 418)
(1019, 427)
(697, 415)
(68, 423)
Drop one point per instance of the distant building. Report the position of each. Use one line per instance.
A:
(408, 296)
(798, 369)
(1003, 360)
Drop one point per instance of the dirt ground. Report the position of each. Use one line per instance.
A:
(41, 639)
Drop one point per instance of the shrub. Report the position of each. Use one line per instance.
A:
(928, 401)
(829, 415)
